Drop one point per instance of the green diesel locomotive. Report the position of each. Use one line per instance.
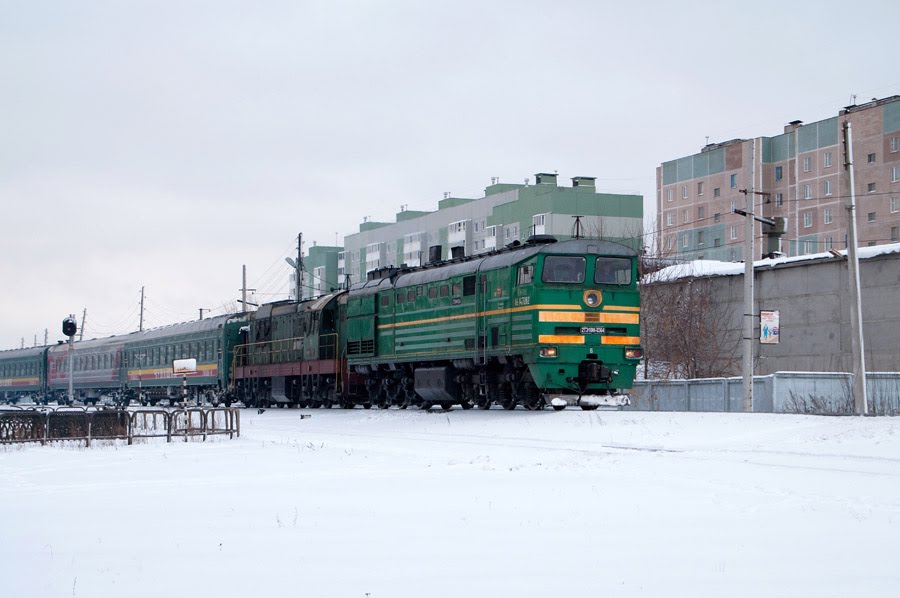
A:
(544, 323)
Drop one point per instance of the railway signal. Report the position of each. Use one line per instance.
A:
(69, 327)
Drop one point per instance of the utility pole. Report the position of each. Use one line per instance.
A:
(141, 325)
(46, 337)
(749, 256)
(203, 309)
(83, 319)
(860, 402)
(244, 290)
(297, 265)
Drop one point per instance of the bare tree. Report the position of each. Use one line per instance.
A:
(685, 330)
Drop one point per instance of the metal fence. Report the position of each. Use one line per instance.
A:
(87, 424)
(814, 393)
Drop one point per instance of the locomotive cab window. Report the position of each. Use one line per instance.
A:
(563, 269)
(526, 274)
(612, 271)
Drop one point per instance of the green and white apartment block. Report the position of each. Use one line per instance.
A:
(800, 181)
(507, 213)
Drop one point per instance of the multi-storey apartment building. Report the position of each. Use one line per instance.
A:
(506, 213)
(800, 180)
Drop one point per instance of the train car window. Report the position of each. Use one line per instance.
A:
(420, 291)
(401, 297)
(526, 274)
(444, 290)
(457, 289)
(563, 269)
(468, 286)
(610, 270)
(432, 293)
(411, 296)
(385, 300)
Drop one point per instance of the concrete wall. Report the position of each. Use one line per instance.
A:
(813, 299)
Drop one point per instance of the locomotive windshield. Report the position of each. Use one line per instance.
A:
(564, 269)
(611, 270)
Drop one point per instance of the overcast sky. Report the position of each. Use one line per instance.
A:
(165, 144)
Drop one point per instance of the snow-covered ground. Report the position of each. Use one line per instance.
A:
(466, 503)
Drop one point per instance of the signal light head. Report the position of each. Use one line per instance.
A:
(69, 327)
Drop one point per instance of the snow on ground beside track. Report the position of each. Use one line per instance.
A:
(466, 503)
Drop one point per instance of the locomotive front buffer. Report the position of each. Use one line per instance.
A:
(590, 373)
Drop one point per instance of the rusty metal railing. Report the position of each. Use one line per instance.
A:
(86, 424)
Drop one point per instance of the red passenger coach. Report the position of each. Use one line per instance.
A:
(96, 370)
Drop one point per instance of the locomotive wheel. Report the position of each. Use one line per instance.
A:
(589, 407)
(506, 400)
(466, 404)
(446, 406)
(485, 404)
(558, 407)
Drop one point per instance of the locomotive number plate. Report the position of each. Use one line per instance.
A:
(592, 330)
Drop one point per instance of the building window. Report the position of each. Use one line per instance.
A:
(826, 187)
(684, 192)
(733, 181)
(670, 195)
(685, 216)
(778, 173)
(871, 217)
(895, 234)
(717, 242)
(807, 219)
(807, 191)
(827, 244)
(684, 241)
(701, 212)
(670, 218)
(717, 192)
(717, 217)
(871, 187)
(895, 174)
(733, 255)
(700, 188)
(700, 237)
(733, 232)
(895, 144)
(870, 244)
(827, 216)
(733, 206)
(779, 199)
(870, 158)
(827, 159)
(807, 164)
(895, 205)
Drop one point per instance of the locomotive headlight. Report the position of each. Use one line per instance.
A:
(548, 352)
(634, 353)
(592, 298)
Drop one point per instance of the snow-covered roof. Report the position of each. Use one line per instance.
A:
(699, 268)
